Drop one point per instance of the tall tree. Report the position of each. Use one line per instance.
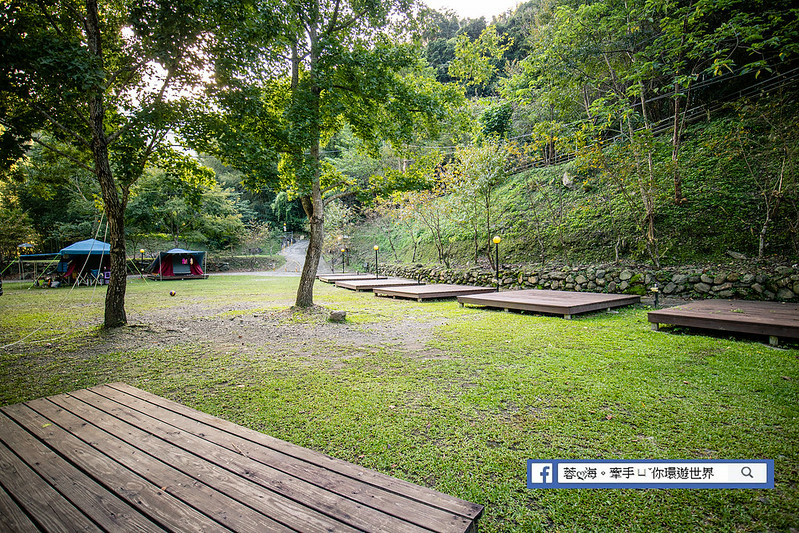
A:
(476, 61)
(475, 175)
(292, 74)
(96, 76)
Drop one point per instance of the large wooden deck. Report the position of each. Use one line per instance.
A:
(115, 458)
(332, 278)
(564, 303)
(433, 291)
(369, 284)
(771, 319)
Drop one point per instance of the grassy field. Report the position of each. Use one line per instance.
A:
(462, 411)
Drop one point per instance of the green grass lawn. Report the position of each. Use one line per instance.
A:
(463, 412)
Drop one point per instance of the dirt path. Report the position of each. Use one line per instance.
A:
(295, 259)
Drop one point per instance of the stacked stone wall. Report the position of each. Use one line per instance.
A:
(776, 283)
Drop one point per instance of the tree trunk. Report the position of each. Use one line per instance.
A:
(314, 209)
(314, 206)
(675, 149)
(487, 205)
(476, 239)
(761, 238)
(114, 207)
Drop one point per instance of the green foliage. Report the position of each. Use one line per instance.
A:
(95, 77)
(60, 198)
(17, 229)
(476, 60)
(590, 210)
(181, 202)
(350, 64)
(496, 120)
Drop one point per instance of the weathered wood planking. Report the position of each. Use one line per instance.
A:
(116, 458)
(566, 303)
(332, 278)
(772, 319)
(369, 284)
(430, 292)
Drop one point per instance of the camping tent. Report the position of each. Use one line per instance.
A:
(178, 263)
(84, 260)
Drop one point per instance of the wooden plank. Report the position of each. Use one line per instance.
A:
(377, 503)
(369, 284)
(564, 303)
(150, 499)
(52, 512)
(12, 518)
(406, 489)
(102, 506)
(773, 319)
(240, 463)
(189, 478)
(431, 291)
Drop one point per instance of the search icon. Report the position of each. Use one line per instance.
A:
(747, 472)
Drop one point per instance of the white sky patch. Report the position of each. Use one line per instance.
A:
(475, 8)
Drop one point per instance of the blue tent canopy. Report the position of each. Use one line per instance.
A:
(87, 247)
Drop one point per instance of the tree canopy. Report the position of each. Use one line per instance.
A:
(95, 76)
(290, 78)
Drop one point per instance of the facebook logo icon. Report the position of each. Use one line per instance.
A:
(540, 475)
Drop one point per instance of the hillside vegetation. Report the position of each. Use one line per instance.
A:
(587, 210)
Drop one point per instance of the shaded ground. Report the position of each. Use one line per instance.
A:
(248, 330)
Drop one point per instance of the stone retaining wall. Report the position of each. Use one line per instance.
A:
(778, 283)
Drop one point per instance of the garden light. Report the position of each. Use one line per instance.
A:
(497, 240)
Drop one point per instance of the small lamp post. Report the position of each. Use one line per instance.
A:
(376, 269)
(141, 251)
(342, 260)
(656, 291)
(497, 240)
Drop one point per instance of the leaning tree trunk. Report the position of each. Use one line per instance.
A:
(115, 213)
(314, 209)
(114, 206)
(314, 206)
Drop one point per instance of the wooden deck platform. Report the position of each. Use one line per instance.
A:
(430, 292)
(332, 278)
(564, 303)
(771, 319)
(116, 458)
(369, 284)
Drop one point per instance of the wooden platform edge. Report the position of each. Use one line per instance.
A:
(431, 497)
(774, 331)
(565, 310)
(99, 424)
